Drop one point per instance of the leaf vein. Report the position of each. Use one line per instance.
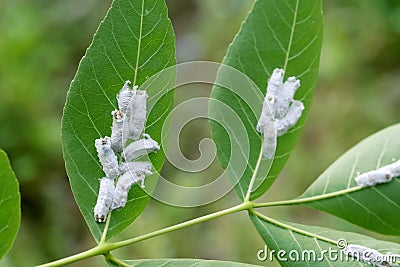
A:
(305, 48)
(291, 35)
(139, 42)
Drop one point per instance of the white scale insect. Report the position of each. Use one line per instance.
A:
(280, 111)
(118, 137)
(128, 123)
(139, 148)
(125, 96)
(104, 199)
(384, 174)
(138, 117)
(107, 157)
(135, 173)
(369, 255)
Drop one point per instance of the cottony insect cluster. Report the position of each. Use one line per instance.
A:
(280, 111)
(382, 175)
(128, 123)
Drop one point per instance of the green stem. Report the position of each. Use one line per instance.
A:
(98, 250)
(240, 207)
(307, 199)
(104, 235)
(294, 229)
(104, 248)
(115, 260)
(253, 178)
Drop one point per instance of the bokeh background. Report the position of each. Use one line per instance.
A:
(41, 43)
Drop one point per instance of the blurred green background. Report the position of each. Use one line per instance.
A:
(41, 43)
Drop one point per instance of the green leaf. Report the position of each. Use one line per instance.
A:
(297, 244)
(185, 262)
(276, 34)
(134, 42)
(10, 202)
(375, 208)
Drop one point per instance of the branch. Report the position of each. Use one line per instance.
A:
(307, 199)
(104, 248)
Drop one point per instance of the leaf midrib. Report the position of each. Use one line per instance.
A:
(259, 160)
(107, 228)
(139, 43)
(291, 35)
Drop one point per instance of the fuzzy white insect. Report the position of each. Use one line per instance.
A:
(266, 116)
(273, 88)
(268, 110)
(368, 255)
(384, 174)
(137, 173)
(137, 115)
(139, 148)
(125, 96)
(135, 165)
(107, 157)
(291, 118)
(128, 122)
(280, 110)
(269, 142)
(118, 137)
(104, 199)
(285, 97)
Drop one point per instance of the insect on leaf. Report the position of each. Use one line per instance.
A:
(375, 208)
(134, 42)
(276, 34)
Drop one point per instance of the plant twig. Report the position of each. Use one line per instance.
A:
(253, 177)
(98, 250)
(292, 228)
(307, 199)
(240, 207)
(104, 235)
(115, 260)
(104, 248)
